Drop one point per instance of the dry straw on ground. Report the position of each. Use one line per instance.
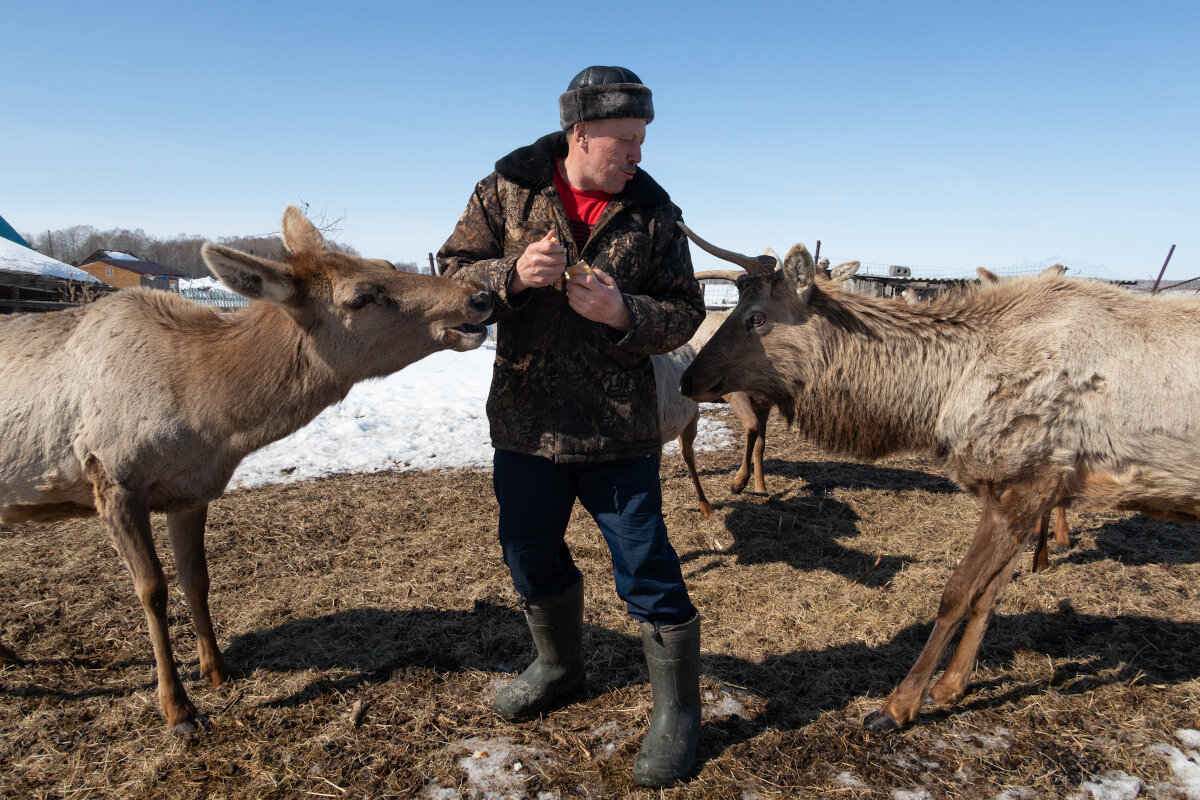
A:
(368, 621)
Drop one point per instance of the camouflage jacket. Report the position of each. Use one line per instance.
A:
(564, 387)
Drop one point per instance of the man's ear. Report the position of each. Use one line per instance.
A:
(579, 133)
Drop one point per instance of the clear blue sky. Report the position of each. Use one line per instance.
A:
(935, 135)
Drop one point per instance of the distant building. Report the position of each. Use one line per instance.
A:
(30, 281)
(208, 292)
(718, 294)
(123, 271)
(1190, 286)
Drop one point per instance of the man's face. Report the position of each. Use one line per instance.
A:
(610, 150)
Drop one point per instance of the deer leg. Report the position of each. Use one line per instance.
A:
(740, 404)
(186, 530)
(127, 520)
(990, 554)
(1062, 537)
(952, 685)
(1041, 558)
(687, 438)
(744, 471)
(760, 425)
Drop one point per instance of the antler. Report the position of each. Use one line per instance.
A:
(755, 265)
(731, 275)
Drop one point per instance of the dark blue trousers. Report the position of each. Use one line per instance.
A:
(624, 497)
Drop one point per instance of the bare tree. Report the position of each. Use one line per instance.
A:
(182, 252)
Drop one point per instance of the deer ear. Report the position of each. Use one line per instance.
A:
(844, 271)
(986, 275)
(799, 267)
(299, 234)
(250, 276)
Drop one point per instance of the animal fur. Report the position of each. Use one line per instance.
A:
(145, 401)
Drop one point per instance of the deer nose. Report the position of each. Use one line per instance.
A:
(481, 303)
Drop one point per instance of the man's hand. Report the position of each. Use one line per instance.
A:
(595, 296)
(541, 264)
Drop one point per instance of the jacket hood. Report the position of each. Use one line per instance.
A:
(533, 166)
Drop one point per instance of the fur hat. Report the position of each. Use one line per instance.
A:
(604, 93)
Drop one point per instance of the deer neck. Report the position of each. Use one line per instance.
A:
(887, 368)
(257, 377)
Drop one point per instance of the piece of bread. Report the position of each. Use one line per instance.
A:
(580, 268)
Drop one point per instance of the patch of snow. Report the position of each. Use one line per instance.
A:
(999, 739)
(120, 256)
(1110, 786)
(711, 434)
(430, 415)
(721, 706)
(1184, 764)
(849, 779)
(497, 769)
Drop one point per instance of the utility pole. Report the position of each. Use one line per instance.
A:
(1164, 269)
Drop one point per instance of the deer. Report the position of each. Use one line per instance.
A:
(1033, 392)
(144, 401)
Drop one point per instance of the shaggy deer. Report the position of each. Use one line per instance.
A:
(1035, 392)
(145, 401)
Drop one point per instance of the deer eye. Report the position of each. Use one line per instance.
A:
(756, 319)
(359, 300)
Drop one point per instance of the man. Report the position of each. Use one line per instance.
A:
(572, 408)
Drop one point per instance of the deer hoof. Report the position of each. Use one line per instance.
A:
(879, 721)
(188, 726)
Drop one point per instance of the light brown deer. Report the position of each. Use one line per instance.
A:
(145, 401)
(1035, 391)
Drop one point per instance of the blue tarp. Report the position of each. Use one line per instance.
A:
(10, 233)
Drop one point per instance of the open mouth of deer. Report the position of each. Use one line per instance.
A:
(467, 336)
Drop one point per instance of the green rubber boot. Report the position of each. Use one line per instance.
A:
(557, 627)
(668, 753)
